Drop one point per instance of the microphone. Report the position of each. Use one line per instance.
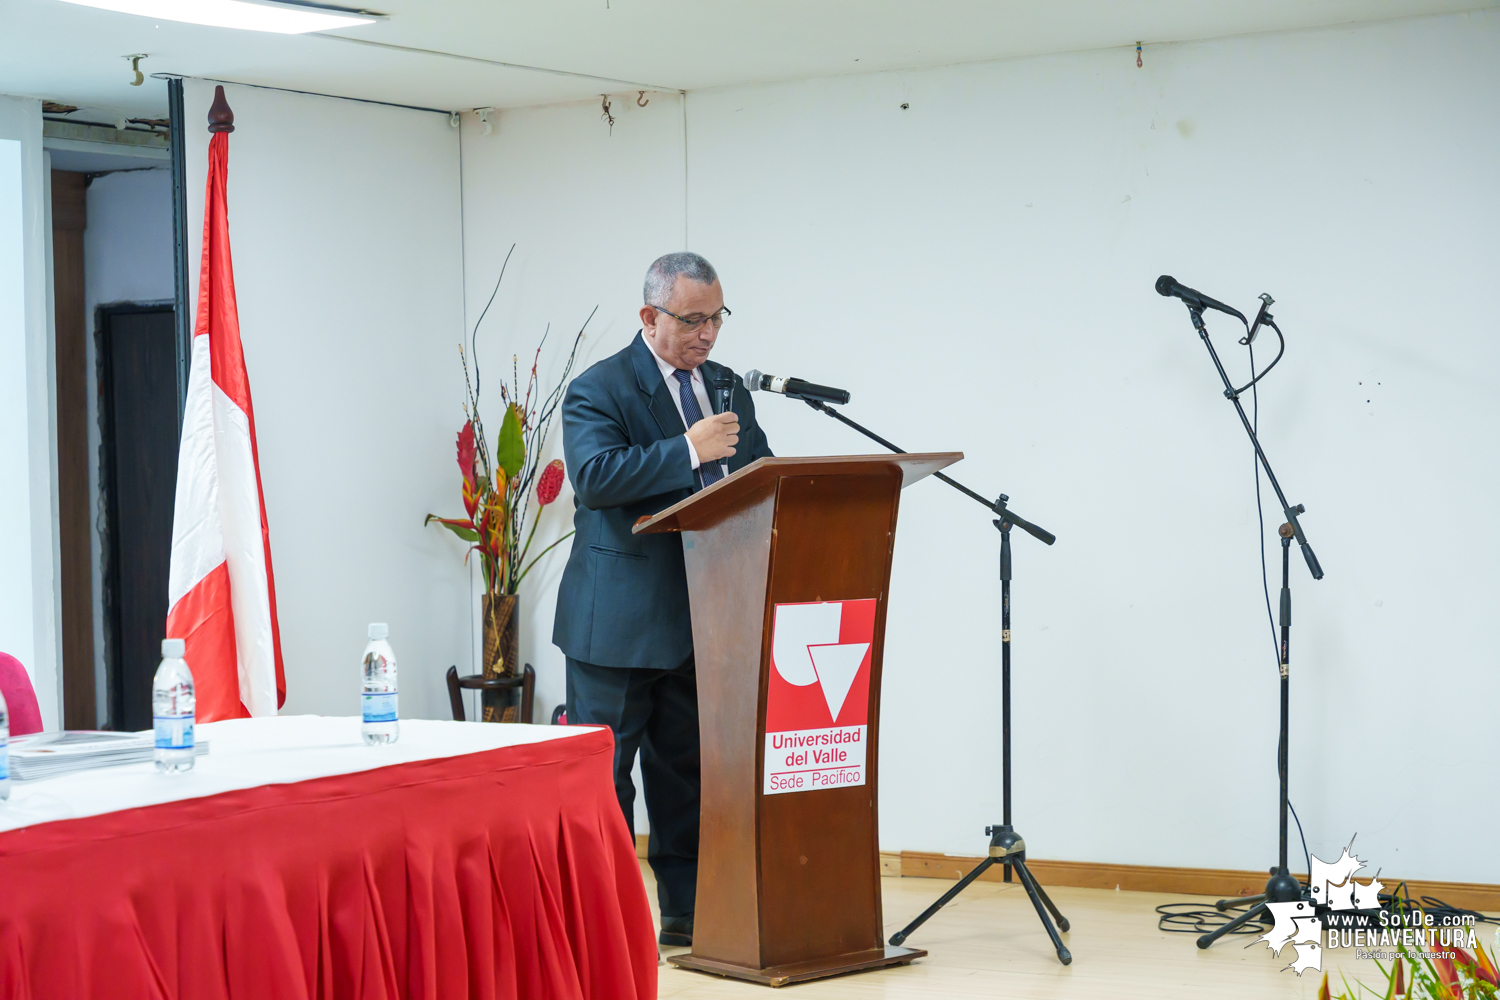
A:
(723, 386)
(1168, 286)
(1261, 316)
(795, 388)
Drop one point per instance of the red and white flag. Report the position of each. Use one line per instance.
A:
(222, 596)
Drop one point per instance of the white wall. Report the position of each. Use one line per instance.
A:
(127, 254)
(576, 198)
(344, 222)
(581, 205)
(28, 470)
(978, 270)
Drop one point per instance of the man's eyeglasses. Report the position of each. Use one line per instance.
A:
(717, 319)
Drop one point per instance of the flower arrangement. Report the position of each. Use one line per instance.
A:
(1440, 972)
(497, 484)
(497, 488)
(1450, 973)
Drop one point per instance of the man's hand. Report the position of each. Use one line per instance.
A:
(714, 437)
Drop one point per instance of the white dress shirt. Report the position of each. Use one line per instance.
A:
(669, 375)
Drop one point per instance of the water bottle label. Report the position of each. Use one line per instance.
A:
(380, 707)
(174, 732)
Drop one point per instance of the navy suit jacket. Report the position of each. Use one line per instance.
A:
(623, 601)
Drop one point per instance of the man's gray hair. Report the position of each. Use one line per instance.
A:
(663, 273)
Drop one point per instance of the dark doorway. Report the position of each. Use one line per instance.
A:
(137, 348)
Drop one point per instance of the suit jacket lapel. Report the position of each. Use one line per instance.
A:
(660, 403)
(665, 411)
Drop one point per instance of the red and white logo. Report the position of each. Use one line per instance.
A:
(818, 698)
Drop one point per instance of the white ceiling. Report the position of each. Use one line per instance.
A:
(72, 54)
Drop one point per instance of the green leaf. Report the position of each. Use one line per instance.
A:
(510, 448)
(463, 529)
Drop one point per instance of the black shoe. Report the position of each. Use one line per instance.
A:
(676, 932)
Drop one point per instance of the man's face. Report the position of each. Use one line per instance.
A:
(684, 345)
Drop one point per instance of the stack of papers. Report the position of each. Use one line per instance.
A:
(46, 755)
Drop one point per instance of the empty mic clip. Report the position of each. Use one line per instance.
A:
(1263, 315)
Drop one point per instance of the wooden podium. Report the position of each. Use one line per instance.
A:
(788, 568)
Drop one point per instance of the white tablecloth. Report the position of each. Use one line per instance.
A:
(244, 753)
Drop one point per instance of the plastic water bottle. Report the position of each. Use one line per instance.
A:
(4, 750)
(380, 715)
(173, 706)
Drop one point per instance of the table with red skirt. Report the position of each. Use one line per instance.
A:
(293, 862)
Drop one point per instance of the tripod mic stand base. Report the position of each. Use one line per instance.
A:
(1008, 849)
(1281, 887)
(1236, 903)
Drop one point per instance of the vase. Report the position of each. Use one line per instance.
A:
(501, 655)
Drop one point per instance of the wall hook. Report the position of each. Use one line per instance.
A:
(454, 119)
(1138, 63)
(484, 117)
(641, 101)
(135, 67)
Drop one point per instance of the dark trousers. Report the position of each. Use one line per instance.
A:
(655, 712)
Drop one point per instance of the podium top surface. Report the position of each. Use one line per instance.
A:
(708, 504)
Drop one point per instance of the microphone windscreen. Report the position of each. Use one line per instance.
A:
(1164, 284)
(752, 379)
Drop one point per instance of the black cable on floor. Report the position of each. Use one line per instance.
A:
(1443, 914)
(1195, 918)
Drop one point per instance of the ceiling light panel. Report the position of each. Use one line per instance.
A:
(282, 20)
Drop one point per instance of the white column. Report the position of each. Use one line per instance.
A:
(29, 613)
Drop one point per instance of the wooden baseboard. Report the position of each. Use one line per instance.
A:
(1220, 882)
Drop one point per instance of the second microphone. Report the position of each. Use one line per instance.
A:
(795, 388)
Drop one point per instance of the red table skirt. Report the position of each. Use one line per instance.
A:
(508, 873)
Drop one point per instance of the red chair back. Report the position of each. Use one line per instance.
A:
(20, 699)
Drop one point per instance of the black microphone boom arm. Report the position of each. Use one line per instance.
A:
(1005, 514)
(1230, 393)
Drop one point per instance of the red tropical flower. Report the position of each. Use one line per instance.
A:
(550, 483)
(466, 453)
(471, 498)
(492, 529)
(497, 471)
(1447, 973)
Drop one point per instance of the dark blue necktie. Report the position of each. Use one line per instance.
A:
(709, 471)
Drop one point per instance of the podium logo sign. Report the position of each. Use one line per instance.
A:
(818, 697)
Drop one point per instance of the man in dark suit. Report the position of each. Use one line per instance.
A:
(640, 433)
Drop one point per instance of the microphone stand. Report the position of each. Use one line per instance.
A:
(1282, 886)
(1006, 846)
